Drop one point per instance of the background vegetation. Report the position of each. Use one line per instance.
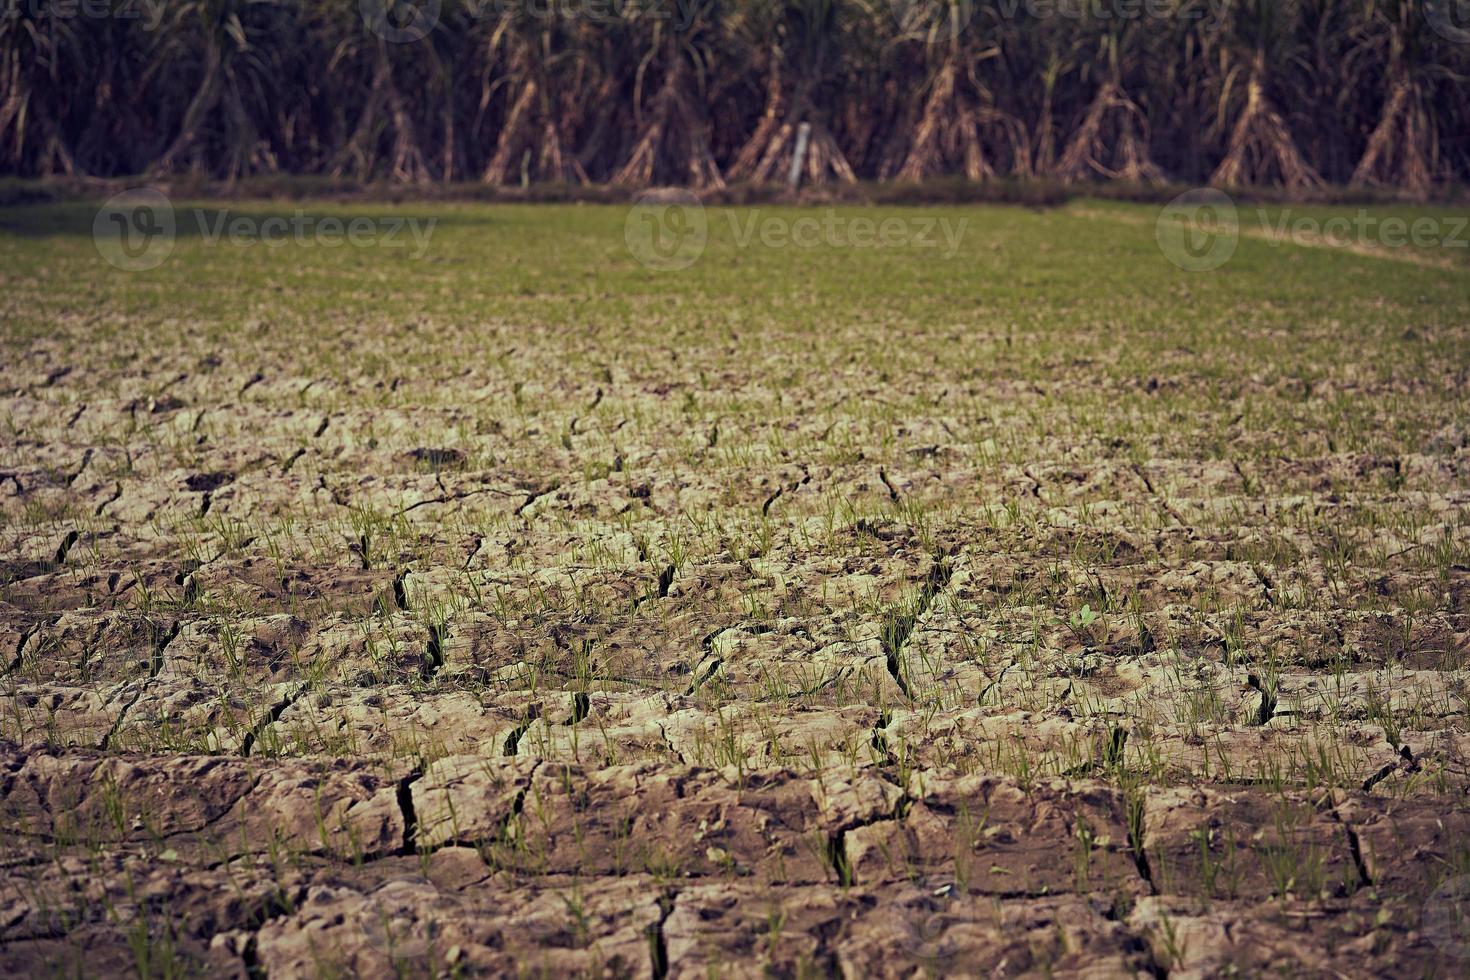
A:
(1288, 93)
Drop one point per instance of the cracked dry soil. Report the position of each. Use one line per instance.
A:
(631, 654)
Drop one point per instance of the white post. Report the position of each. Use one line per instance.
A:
(803, 136)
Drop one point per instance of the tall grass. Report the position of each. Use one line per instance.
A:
(1288, 93)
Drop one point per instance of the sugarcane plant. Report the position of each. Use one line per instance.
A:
(226, 46)
(363, 51)
(1257, 50)
(1291, 93)
(1112, 138)
(800, 61)
(1404, 149)
(952, 123)
(537, 61)
(37, 52)
(670, 117)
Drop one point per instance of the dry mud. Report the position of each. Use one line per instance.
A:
(690, 667)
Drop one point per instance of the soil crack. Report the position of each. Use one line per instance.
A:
(513, 740)
(898, 625)
(155, 660)
(658, 950)
(410, 817)
(893, 494)
(534, 496)
(253, 736)
(435, 652)
(63, 549)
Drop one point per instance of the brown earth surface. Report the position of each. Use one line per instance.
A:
(440, 670)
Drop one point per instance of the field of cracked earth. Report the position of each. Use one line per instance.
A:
(520, 610)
